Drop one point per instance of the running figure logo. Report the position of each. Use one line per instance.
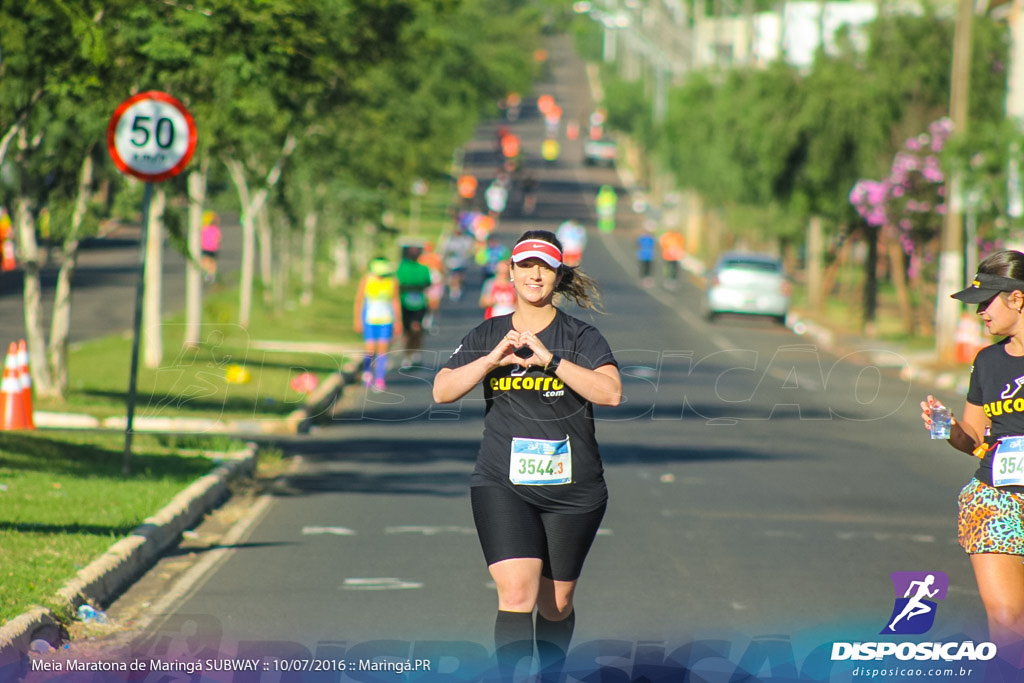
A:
(914, 611)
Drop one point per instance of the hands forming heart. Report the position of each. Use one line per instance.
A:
(522, 348)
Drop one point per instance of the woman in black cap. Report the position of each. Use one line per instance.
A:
(991, 526)
(537, 491)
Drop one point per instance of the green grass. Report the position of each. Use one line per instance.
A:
(63, 498)
(194, 382)
(64, 501)
(845, 314)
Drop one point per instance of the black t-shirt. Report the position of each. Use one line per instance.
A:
(997, 385)
(537, 405)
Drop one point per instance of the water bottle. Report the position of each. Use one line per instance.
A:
(90, 615)
(940, 422)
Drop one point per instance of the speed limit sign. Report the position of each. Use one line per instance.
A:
(151, 136)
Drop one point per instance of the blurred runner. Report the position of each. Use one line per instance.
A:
(550, 149)
(7, 255)
(574, 240)
(458, 255)
(514, 102)
(413, 281)
(498, 295)
(672, 253)
(529, 185)
(606, 204)
(209, 244)
(645, 247)
(496, 197)
(466, 187)
(435, 292)
(552, 121)
(377, 318)
(491, 254)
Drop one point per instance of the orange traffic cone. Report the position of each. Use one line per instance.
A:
(12, 405)
(968, 339)
(25, 378)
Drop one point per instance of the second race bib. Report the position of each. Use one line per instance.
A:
(1008, 462)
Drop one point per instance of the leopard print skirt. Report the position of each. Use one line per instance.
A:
(991, 520)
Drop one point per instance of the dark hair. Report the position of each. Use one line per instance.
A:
(575, 284)
(1006, 263)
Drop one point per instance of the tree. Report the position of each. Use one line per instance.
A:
(56, 90)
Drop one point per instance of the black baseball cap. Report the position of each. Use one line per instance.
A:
(985, 286)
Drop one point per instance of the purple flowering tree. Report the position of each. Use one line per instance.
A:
(908, 207)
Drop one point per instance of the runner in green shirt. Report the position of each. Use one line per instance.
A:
(413, 280)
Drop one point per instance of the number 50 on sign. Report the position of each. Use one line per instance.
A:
(151, 136)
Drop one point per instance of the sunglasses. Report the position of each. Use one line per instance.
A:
(983, 306)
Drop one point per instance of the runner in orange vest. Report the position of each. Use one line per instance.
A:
(672, 252)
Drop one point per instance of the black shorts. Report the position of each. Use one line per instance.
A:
(410, 317)
(509, 527)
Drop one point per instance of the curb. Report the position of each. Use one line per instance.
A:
(317, 404)
(127, 559)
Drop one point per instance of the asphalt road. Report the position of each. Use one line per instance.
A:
(763, 490)
(103, 296)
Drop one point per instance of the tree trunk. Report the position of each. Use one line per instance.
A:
(871, 283)
(17, 129)
(60, 324)
(926, 296)
(308, 257)
(815, 248)
(833, 271)
(237, 174)
(340, 254)
(251, 205)
(898, 271)
(283, 258)
(154, 271)
(267, 256)
(193, 272)
(24, 226)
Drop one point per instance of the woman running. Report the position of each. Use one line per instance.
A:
(537, 491)
(991, 527)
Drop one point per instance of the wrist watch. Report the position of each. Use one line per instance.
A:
(552, 365)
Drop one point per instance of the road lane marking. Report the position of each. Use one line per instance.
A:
(379, 584)
(884, 537)
(429, 530)
(332, 530)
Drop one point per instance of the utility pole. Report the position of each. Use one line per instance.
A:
(951, 259)
(1014, 87)
(1015, 109)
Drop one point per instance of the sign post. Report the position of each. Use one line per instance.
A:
(151, 136)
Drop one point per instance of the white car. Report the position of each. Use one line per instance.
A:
(600, 152)
(749, 284)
